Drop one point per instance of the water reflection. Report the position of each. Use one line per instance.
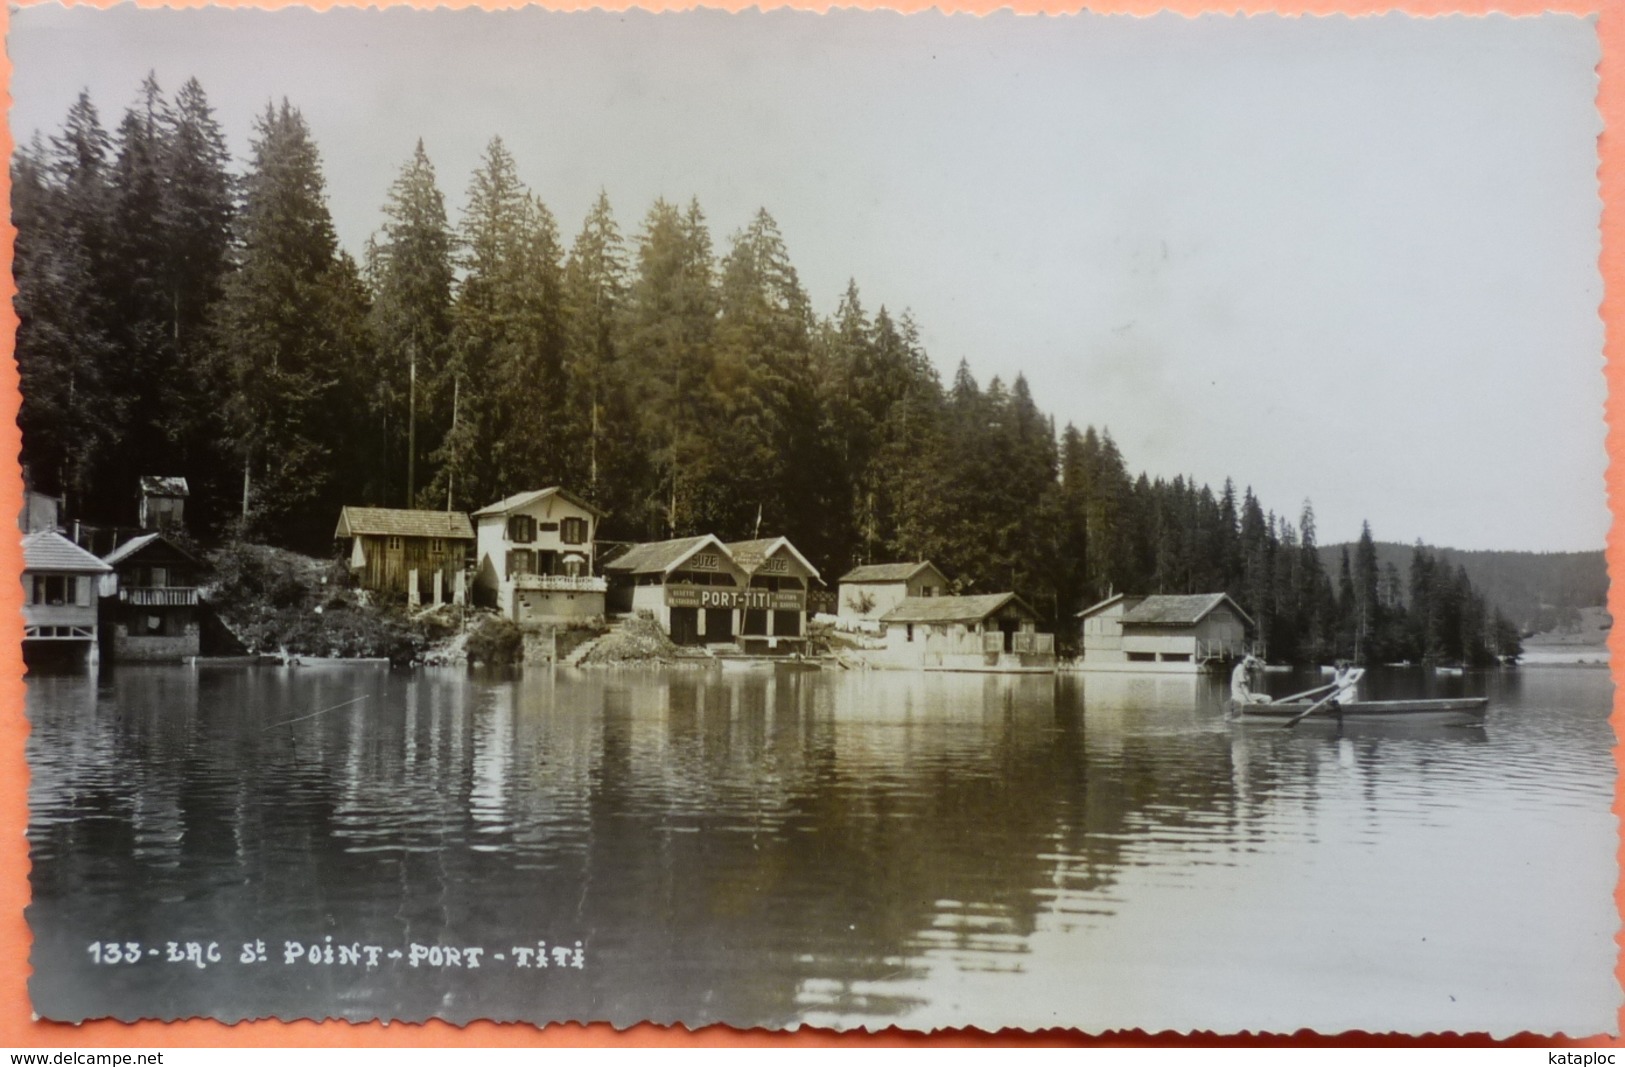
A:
(758, 848)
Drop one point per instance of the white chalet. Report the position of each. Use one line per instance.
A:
(535, 557)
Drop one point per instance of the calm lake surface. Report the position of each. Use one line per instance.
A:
(772, 848)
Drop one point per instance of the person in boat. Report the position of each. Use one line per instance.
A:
(1345, 682)
(1241, 691)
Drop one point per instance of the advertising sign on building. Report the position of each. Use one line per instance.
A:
(696, 596)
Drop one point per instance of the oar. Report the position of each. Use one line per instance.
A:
(1305, 693)
(1310, 710)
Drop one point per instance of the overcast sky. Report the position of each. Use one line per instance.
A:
(1344, 260)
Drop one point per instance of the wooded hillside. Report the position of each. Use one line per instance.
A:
(180, 318)
(1536, 590)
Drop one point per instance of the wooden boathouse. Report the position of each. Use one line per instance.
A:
(422, 554)
(1174, 634)
(772, 617)
(149, 604)
(535, 557)
(870, 591)
(59, 597)
(705, 592)
(690, 585)
(995, 632)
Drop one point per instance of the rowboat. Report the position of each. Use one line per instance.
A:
(1461, 710)
(1337, 701)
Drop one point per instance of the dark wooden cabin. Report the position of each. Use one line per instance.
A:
(387, 545)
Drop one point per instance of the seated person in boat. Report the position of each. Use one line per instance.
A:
(1240, 691)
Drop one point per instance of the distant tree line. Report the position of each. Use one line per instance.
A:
(177, 318)
(1537, 590)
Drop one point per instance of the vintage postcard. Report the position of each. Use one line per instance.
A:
(846, 520)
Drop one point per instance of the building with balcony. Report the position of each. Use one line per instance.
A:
(423, 554)
(535, 557)
(1171, 634)
(995, 632)
(59, 597)
(149, 604)
(868, 592)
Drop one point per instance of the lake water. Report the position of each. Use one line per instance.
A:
(772, 848)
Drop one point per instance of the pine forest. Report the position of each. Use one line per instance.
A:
(182, 314)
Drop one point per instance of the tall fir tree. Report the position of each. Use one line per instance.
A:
(409, 266)
(671, 321)
(285, 335)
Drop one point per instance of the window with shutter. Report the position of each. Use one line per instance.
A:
(522, 529)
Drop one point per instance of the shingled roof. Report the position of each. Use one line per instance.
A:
(48, 550)
(530, 496)
(403, 522)
(136, 544)
(887, 572)
(1163, 610)
(953, 608)
(159, 485)
(658, 557)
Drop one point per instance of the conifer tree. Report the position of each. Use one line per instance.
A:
(670, 333)
(594, 295)
(285, 338)
(62, 344)
(410, 270)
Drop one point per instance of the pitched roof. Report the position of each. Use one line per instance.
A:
(530, 496)
(157, 485)
(48, 550)
(1179, 610)
(403, 522)
(751, 554)
(654, 557)
(887, 572)
(952, 608)
(1108, 602)
(136, 544)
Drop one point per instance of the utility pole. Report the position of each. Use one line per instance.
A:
(451, 470)
(412, 423)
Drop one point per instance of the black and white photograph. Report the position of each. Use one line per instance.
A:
(844, 520)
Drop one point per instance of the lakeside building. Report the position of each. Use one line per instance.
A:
(149, 604)
(772, 616)
(867, 593)
(705, 592)
(59, 597)
(688, 584)
(534, 553)
(423, 554)
(989, 632)
(1177, 634)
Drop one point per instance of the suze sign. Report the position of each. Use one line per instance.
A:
(698, 596)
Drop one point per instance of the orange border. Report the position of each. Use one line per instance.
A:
(17, 1028)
